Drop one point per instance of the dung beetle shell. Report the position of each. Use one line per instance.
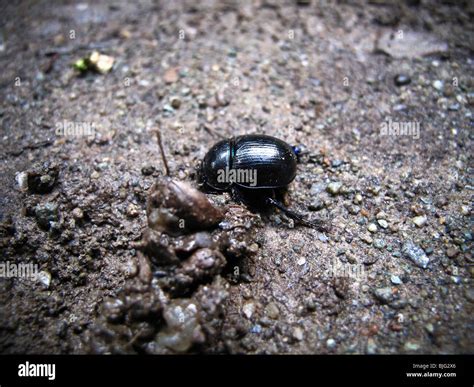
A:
(271, 160)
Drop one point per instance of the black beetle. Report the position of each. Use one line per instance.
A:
(270, 160)
(255, 167)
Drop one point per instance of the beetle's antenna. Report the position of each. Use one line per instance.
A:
(160, 144)
(212, 132)
(298, 217)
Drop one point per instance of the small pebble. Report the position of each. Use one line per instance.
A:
(438, 85)
(411, 346)
(384, 295)
(168, 108)
(298, 334)
(399, 107)
(331, 343)
(358, 198)
(354, 210)
(175, 102)
(456, 279)
(317, 205)
(323, 238)
(272, 311)
(372, 228)
(44, 278)
(415, 254)
(256, 329)
(253, 248)
(101, 63)
(248, 309)
(402, 80)
(452, 252)
(132, 210)
(46, 214)
(419, 221)
(379, 243)
(395, 279)
(382, 223)
(171, 75)
(334, 187)
(461, 99)
(22, 180)
(77, 213)
(148, 170)
(465, 210)
(429, 328)
(301, 261)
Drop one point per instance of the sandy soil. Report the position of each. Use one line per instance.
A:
(392, 275)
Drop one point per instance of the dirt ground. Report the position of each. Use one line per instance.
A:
(394, 272)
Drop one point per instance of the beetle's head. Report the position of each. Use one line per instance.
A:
(213, 172)
(299, 151)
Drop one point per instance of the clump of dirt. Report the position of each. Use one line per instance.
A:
(174, 299)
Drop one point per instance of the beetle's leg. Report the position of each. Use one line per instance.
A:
(254, 199)
(318, 225)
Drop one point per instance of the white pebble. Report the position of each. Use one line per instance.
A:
(22, 180)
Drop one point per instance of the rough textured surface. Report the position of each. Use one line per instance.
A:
(78, 158)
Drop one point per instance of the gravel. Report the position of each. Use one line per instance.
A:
(46, 214)
(420, 221)
(395, 279)
(372, 227)
(334, 187)
(384, 295)
(438, 85)
(415, 254)
(237, 71)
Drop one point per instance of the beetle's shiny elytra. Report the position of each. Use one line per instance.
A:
(272, 161)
